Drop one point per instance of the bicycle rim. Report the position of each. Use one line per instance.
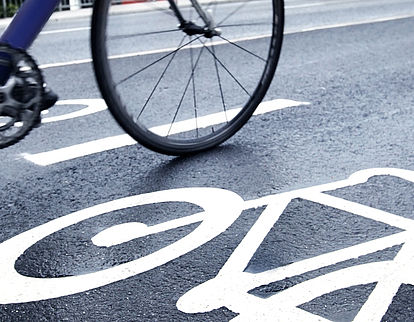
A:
(177, 93)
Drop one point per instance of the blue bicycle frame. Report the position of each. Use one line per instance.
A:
(32, 16)
(25, 27)
(28, 22)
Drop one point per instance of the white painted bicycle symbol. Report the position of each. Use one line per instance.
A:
(230, 288)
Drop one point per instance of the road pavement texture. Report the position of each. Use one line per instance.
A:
(306, 214)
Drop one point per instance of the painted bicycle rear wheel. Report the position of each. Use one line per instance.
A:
(180, 88)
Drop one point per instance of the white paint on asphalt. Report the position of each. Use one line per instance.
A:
(69, 63)
(215, 43)
(222, 117)
(113, 142)
(59, 31)
(125, 232)
(349, 24)
(148, 8)
(215, 203)
(154, 51)
(92, 106)
(79, 150)
(230, 288)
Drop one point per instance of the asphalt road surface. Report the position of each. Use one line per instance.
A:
(306, 214)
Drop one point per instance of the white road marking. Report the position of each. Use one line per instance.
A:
(349, 24)
(317, 4)
(287, 32)
(69, 63)
(92, 106)
(300, 6)
(113, 142)
(125, 232)
(59, 31)
(154, 51)
(230, 287)
(79, 150)
(215, 202)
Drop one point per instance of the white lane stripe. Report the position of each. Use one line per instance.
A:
(91, 106)
(58, 31)
(288, 32)
(118, 141)
(79, 150)
(221, 117)
(300, 6)
(317, 4)
(327, 3)
(154, 51)
(69, 63)
(287, 7)
(349, 24)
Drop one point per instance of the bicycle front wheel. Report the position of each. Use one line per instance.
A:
(181, 90)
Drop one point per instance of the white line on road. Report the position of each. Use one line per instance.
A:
(91, 106)
(59, 31)
(287, 32)
(154, 51)
(118, 141)
(288, 7)
(349, 24)
(317, 4)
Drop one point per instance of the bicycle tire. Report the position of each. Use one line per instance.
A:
(256, 51)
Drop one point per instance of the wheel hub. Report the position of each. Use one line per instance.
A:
(191, 29)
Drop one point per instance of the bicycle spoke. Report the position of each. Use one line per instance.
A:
(185, 90)
(242, 48)
(194, 89)
(154, 62)
(159, 81)
(142, 34)
(219, 84)
(227, 70)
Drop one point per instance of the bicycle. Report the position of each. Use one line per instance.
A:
(192, 94)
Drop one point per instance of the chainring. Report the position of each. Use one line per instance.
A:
(20, 96)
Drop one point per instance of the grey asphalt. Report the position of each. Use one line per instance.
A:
(359, 81)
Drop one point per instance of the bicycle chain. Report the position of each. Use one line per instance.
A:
(20, 95)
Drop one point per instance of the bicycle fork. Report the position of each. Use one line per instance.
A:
(209, 30)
